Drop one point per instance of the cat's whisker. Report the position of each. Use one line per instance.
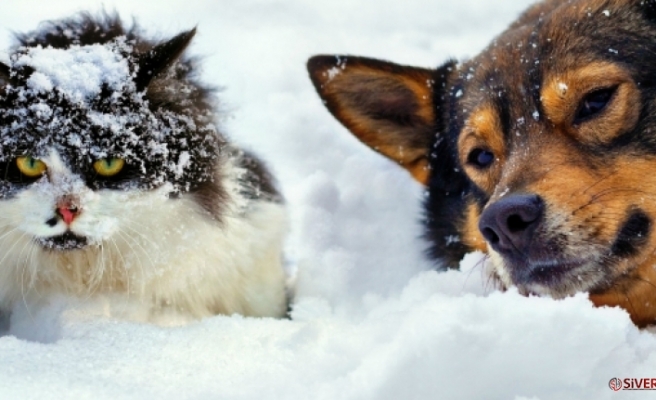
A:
(28, 265)
(116, 279)
(23, 297)
(103, 270)
(128, 240)
(155, 246)
(23, 271)
(124, 264)
(12, 230)
(131, 224)
(20, 254)
(100, 272)
(94, 275)
(96, 270)
(9, 251)
(33, 248)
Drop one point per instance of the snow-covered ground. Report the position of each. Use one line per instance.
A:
(371, 320)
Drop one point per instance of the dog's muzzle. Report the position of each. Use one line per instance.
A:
(513, 227)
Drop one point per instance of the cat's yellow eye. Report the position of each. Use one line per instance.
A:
(30, 166)
(109, 166)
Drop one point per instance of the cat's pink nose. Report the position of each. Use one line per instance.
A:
(68, 214)
(68, 208)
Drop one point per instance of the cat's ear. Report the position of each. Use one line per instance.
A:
(161, 57)
(389, 107)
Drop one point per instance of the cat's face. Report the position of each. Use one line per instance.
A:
(81, 141)
(57, 207)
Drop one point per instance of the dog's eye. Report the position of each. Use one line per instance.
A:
(480, 158)
(593, 103)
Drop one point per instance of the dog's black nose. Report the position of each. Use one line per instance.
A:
(508, 225)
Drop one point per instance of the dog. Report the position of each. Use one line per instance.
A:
(540, 151)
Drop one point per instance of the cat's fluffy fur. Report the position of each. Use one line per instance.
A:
(196, 228)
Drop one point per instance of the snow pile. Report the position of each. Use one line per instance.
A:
(372, 321)
(427, 342)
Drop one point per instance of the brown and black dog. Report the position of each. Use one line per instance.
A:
(540, 151)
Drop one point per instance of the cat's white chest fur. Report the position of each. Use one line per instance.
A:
(145, 247)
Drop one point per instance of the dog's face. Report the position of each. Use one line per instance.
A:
(540, 151)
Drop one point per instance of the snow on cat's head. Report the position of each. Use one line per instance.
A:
(94, 119)
(79, 72)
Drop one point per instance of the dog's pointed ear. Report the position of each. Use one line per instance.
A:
(388, 107)
(161, 57)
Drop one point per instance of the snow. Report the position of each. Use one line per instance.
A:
(79, 72)
(371, 319)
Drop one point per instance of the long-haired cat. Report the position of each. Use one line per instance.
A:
(115, 181)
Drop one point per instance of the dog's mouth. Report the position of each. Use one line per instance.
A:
(64, 242)
(556, 277)
(550, 273)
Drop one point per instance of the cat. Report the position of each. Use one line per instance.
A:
(115, 181)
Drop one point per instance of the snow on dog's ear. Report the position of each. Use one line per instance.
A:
(161, 57)
(389, 107)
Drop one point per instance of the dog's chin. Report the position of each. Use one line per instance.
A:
(557, 278)
(65, 242)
